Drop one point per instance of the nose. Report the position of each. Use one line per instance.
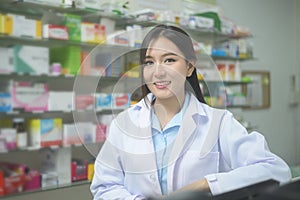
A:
(159, 70)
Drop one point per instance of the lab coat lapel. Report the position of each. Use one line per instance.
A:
(184, 138)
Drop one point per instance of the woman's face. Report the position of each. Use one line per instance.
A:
(165, 69)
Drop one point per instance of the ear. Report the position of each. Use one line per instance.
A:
(190, 69)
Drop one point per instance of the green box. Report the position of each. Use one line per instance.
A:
(68, 56)
(73, 23)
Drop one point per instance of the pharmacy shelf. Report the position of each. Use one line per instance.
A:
(200, 33)
(33, 192)
(37, 9)
(6, 41)
(29, 149)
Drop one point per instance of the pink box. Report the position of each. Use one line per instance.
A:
(30, 96)
(32, 181)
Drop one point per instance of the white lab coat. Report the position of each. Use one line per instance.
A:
(210, 144)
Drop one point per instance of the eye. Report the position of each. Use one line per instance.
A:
(169, 60)
(148, 63)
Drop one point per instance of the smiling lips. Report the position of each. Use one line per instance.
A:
(162, 84)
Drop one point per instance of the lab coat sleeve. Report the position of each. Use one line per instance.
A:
(108, 180)
(248, 158)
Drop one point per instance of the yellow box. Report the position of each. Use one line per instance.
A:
(90, 171)
(45, 132)
(38, 29)
(6, 24)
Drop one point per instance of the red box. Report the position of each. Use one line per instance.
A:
(79, 170)
(12, 178)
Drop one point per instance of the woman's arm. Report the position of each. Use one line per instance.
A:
(247, 157)
(108, 180)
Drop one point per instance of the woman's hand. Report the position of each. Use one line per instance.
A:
(200, 185)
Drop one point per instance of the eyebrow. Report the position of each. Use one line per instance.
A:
(164, 55)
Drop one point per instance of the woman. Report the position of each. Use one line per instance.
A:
(171, 140)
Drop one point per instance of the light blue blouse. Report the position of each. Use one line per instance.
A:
(163, 142)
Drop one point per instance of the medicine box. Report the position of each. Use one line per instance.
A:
(60, 101)
(6, 24)
(5, 102)
(68, 56)
(45, 132)
(31, 59)
(55, 32)
(92, 32)
(11, 180)
(86, 131)
(22, 26)
(121, 100)
(55, 165)
(30, 96)
(84, 102)
(70, 135)
(104, 101)
(73, 23)
(79, 169)
(6, 55)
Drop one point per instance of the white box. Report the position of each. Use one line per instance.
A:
(60, 101)
(70, 135)
(25, 27)
(56, 161)
(86, 131)
(31, 59)
(6, 55)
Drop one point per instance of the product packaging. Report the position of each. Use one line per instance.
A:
(45, 132)
(30, 96)
(31, 59)
(53, 31)
(73, 23)
(92, 33)
(60, 101)
(55, 166)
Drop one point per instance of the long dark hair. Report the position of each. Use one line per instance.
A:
(183, 41)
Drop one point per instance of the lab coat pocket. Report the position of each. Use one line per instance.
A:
(196, 167)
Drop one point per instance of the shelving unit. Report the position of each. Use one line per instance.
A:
(93, 83)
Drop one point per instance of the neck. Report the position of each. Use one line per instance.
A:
(166, 109)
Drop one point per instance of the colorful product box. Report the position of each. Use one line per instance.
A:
(45, 132)
(5, 102)
(11, 180)
(55, 32)
(9, 135)
(92, 32)
(73, 23)
(30, 96)
(6, 24)
(69, 57)
(90, 173)
(121, 100)
(22, 26)
(32, 180)
(79, 169)
(104, 101)
(31, 59)
(84, 102)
